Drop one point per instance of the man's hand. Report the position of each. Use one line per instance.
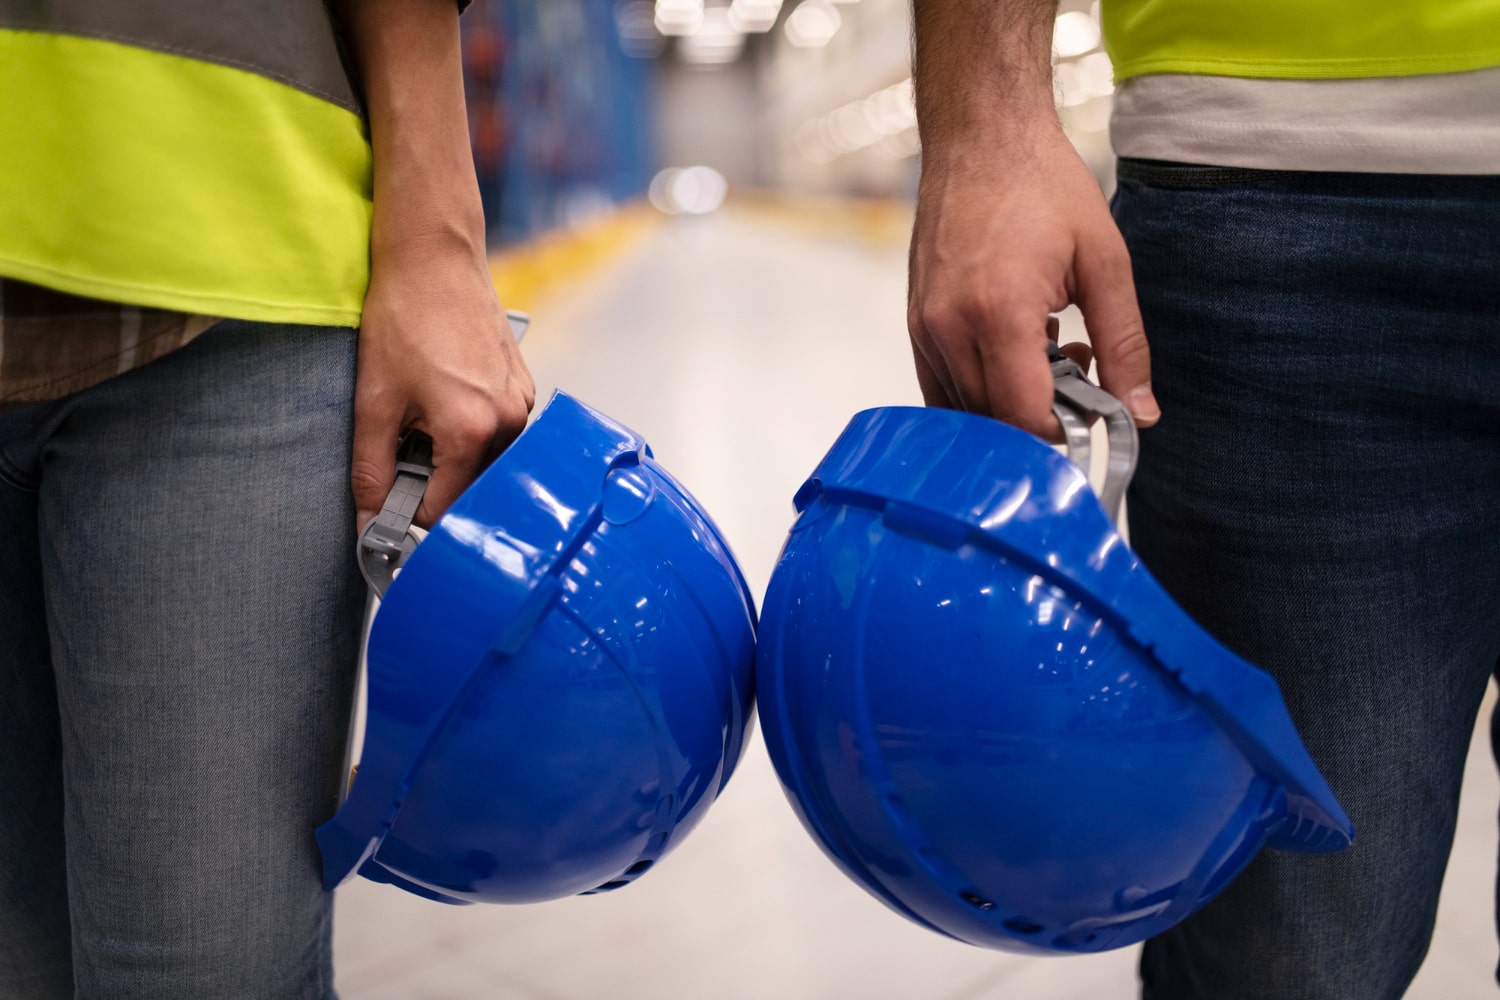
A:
(435, 350)
(1011, 226)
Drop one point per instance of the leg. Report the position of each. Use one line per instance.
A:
(35, 960)
(1320, 494)
(203, 603)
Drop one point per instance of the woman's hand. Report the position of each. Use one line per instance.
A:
(436, 355)
(435, 350)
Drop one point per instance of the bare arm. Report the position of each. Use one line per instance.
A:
(435, 350)
(1011, 226)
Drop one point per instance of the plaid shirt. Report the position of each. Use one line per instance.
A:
(53, 344)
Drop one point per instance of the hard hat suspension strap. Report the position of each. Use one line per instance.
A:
(387, 540)
(1077, 402)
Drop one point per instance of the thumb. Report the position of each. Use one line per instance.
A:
(1106, 297)
(373, 468)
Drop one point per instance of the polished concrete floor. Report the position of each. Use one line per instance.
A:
(739, 345)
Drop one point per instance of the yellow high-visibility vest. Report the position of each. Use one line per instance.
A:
(1301, 39)
(215, 162)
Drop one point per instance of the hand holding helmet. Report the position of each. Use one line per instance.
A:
(559, 675)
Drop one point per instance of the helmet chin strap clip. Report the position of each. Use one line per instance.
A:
(1077, 402)
(387, 540)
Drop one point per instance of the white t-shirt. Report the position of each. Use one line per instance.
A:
(1440, 124)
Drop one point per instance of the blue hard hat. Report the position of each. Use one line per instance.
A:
(559, 676)
(991, 717)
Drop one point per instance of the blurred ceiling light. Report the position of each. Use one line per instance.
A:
(899, 146)
(657, 192)
(636, 22)
(1097, 74)
(1091, 116)
(688, 190)
(834, 139)
(1070, 86)
(813, 24)
(853, 128)
(887, 114)
(715, 42)
(678, 17)
(891, 110)
(1074, 33)
(754, 16)
(811, 143)
(1085, 80)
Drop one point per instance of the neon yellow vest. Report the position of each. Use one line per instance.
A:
(1301, 39)
(134, 174)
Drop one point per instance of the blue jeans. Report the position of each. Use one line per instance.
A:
(179, 613)
(1323, 494)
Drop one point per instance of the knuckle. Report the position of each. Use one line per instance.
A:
(371, 405)
(1128, 344)
(528, 392)
(367, 479)
(513, 417)
(941, 317)
(474, 431)
(1111, 261)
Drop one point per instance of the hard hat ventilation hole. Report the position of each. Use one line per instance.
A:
(977, 901)
(609, 886)
(1075, 939)
(639, 867)
(1019, 926)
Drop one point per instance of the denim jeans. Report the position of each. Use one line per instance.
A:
(1323, 494)
(179, 613)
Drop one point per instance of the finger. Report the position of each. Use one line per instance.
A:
(932, 373)
(967, 371)
(447, 484)
(449, 480)
(372, 470)
(1017, 374)
(1106, 296)
(934, 392)
(1079, 353)
(945, 338)
(458, 457)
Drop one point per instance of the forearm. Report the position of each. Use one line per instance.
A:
(1011, 226)
(435, 350)
(426, 194)
(982, 71)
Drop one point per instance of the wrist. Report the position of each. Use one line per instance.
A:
(1001, 140)
(421, 228)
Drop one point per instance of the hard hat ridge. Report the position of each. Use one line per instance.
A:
(988, 713)
(559, 678)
